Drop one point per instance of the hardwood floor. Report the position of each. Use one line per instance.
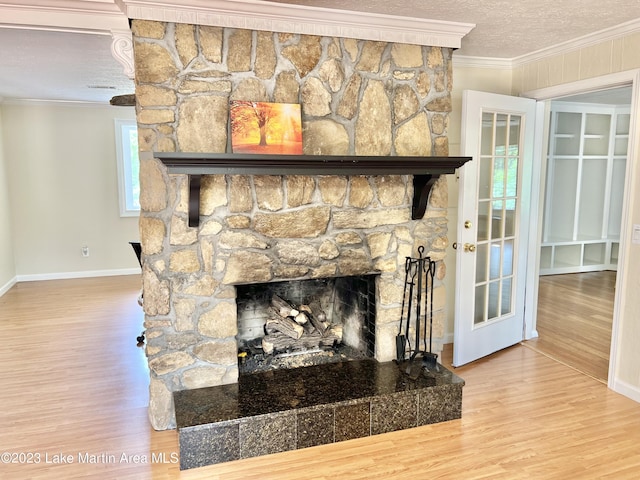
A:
(575, 314)
(75, 384)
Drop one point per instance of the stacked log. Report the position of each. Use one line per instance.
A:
(297, 329)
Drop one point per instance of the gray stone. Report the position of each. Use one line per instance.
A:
(351, 47)
(378, 244)
(406, 56)
(250, 89)
(156, 293)
(333, 189)
(160, 409)
(373, 132)
(213, 193)
(181, 341)
(305, 223)
(438, 124)
(354, 262)
(184, 308)
(370, 219)
(189, 86)
(239, 51)
(371, 56)
(405, 103)
(211, 43)
(201, 377)
(204, 286)
(233, 240)
(240, 199)
(435, 59)
(348, 238)
(348, 105)
(269, 192)
(148, 29)
(219, 352)
(300, 189)
(186, 42)
(152, 232)
(153, 63)
(360, 193)
(181, 233)
(150, 117)
(153, 96)
(414, 137)
(238, 221)
(325, 137)
(196, 132)
(332, 73)
(297, 253)
(247, 267)
(423, 84)
(265, 65)
(184, 261)
(440, 104)
(287, 88)
(170, 362)
(220, 322)
(304, 55)
(315, 98)
(328, 250)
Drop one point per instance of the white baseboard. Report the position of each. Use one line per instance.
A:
(7, 286)
(626, 389)
(86, 274)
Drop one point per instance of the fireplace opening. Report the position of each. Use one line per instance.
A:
(305, 322)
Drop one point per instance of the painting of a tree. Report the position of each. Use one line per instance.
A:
(262, 127)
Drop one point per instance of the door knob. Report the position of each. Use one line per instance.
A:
(469, 247)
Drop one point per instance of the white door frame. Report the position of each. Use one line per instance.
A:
(630, 77)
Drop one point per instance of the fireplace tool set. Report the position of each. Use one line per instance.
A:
(417, 312)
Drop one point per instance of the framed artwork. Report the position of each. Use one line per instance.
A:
(268, 128)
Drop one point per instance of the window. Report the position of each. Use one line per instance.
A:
(128, 167)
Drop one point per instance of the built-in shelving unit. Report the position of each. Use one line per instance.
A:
(584, 188)
(425, 170)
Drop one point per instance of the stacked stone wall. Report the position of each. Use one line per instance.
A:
(357, 98)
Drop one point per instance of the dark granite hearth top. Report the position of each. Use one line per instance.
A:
(281, 390)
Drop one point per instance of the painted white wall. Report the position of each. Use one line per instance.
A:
(494, 80)
(7, 264)
(62, 175)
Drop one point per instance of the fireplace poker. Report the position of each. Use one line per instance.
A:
(401, 339)
(430, 359)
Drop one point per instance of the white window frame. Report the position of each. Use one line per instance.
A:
(126, 180)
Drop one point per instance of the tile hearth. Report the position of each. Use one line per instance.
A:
(281, 410)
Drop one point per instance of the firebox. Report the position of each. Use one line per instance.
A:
(305, 322)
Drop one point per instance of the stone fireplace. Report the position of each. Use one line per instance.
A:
(358, 98)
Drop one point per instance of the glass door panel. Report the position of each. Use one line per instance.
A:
(497, 213)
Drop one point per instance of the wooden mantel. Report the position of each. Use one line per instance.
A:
(425, 170)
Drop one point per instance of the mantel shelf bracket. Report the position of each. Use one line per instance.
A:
(425, 170)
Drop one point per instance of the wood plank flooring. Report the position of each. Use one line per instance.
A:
(575, 314)
(73, 383)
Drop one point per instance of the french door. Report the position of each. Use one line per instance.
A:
(493, 223)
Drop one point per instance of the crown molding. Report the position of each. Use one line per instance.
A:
(64, 15)
(608, 34)
(288, 18)
(463, 61)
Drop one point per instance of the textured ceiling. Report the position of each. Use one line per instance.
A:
(504, 28)
(53, 64)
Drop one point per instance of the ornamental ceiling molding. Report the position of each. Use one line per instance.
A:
(288, 18)
(76, 16)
